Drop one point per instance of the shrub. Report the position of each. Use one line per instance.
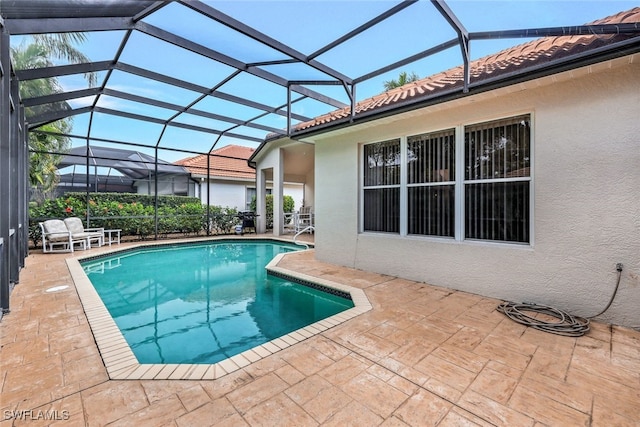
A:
(221, 220)
(134, 214)
(287, 206)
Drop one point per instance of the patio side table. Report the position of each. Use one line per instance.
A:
(112, 236)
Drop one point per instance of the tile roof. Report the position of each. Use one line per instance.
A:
(229, 161)
(517, 58)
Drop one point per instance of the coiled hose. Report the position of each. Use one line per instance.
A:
(567, 325)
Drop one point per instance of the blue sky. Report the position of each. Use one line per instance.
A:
(305, 26)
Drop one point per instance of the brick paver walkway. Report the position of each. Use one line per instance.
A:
(424, 356)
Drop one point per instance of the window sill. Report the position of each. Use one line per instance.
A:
(446, 240)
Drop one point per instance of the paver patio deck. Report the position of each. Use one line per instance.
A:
(424, 356)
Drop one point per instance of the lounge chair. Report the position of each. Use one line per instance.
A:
(56, 237)
(75, 226)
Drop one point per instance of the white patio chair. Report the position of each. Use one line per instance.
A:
(76, 227)
(56, 237)
(289, 220)
(304, 219)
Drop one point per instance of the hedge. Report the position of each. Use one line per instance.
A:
(287, 207)
(134, 214)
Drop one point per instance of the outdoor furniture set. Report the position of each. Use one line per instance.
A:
(301, 221)
(68, 234)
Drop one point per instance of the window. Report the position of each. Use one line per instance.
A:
(497, 180)
(382, 186)
(431, 184)
(410, 184)
(251, 194)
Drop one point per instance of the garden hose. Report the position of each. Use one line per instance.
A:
(567, 325)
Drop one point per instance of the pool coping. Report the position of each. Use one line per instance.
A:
(122, 364)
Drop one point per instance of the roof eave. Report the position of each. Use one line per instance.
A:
(593, 56)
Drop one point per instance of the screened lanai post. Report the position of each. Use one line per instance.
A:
(23, 184)
(95, 178)
(464, 46)
(208, 194)
(209, 172)
(25, 181)
(289, 109)
(5, 165)
(87, 181)
(352, 96)
(155, 190)
(14, 217)
(463, 37)
(87, 165)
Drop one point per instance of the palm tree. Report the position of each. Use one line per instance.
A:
(403, 79)
(40, 52)
(43, 161)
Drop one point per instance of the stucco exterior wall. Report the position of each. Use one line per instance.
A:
(309, 190)
(586, 204)
(230, 194)
(233, 193)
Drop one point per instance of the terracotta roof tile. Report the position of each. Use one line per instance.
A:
(229, 161)
(516, 58)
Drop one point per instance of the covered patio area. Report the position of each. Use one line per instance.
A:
(424, 355)
(290, 162)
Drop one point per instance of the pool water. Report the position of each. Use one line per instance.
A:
(203, 303)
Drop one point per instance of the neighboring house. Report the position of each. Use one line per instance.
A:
(120, 170)
(524, 188)
(230, 181)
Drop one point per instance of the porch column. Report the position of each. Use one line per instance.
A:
(278, 193)
(261, 193)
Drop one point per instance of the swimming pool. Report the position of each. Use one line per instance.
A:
(205, 302)
(120, 361)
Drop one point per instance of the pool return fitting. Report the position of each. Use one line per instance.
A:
(567, 325)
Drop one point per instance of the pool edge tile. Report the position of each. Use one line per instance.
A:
(252, 355)
(228, 365)
(280, 343)
(122, 374)
(180, 372)
(197, 373)
(271, 347)
(240, 360)
(166, 371)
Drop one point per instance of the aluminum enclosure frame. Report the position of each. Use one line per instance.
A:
(14, 192)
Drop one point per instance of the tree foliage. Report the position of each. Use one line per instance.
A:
(43, 163)
(40, 51)
(287, 206)
(403, 79)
